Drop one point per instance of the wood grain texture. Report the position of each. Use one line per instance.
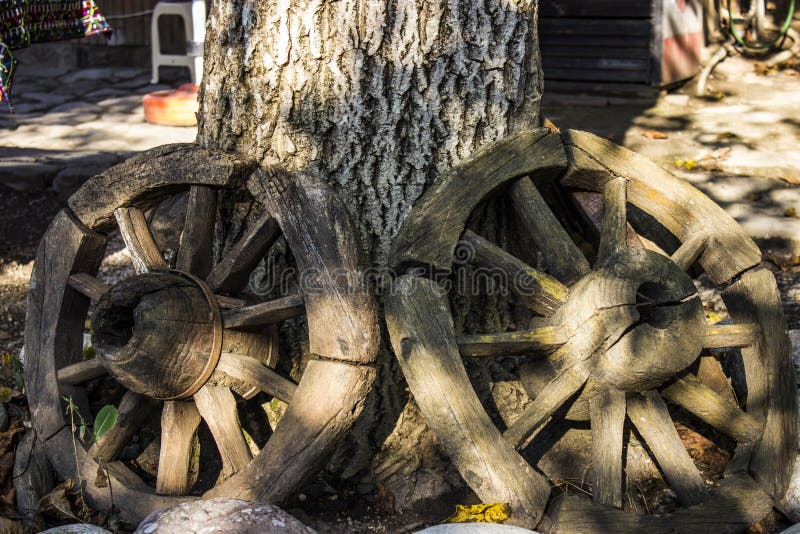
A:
(689, 251)
(541, 340)
(80, 372)
(547, 401)
(195, 247)
(307, 434)
(341, 312)
(429, 238)
(146, 178)
(88, 285)
(731, 335)
(713, 408)
(157, 333)
(134, 409)
(418, 317)
(252, 372)
(607, 411)
(232, 273)
(261, 347)
(678, 206)
(55, 315)
(264, 313)
(649, 415)
(771, 398)
(217, 406)
(734, 506)
(539, 291)
(614, 226)
(563, 257)
(144, 253)
(179, 421)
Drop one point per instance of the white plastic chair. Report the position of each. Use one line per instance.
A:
(193, 13)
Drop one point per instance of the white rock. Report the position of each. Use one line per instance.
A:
(78, 528)
(222, 516)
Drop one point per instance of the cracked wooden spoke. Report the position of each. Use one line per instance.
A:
(614, 230)
(232, 273)
(145, 255)
(88, 285)
(651, 418)
(713, 408)
(195, 252)
(564, 259)
(80, 372)
(253, 372)
(265, 313)
(689, 251)
(217, 406)
(179, 421)
(134, 409)
(542, 340)
(549, 399)
(731, 335)
(607, 412)
(539, 291)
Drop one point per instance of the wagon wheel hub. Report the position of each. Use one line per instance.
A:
(159, 333)
(637, 316)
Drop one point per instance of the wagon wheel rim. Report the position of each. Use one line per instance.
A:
(589, 326)
(185, 325)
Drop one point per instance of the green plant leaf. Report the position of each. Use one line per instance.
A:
(105, 420)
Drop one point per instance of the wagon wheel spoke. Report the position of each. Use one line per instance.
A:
(253, 372)
(539, 291)
(538, 340)
(731, 335)
(607, 414)
(712, 408)
(195, 248)
(265, 313)
(614, 230)
(549, 399)
(564, 259)
(689, 251)
(145, 255)
(232, 273)
(134, 409)
(88, 285)
(650, 416)
(80, 372)
(179, 421)
(217, 406)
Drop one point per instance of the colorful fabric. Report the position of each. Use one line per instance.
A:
(23, 22)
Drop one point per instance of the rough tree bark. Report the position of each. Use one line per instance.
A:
(378, 97)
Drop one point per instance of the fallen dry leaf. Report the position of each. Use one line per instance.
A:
(480, 513)
(654, 134)
(550, 126)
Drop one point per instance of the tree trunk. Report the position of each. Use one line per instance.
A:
(378, 98)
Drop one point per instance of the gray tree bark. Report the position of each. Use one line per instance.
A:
(379, 98)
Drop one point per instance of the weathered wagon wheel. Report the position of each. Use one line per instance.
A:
(180, 339)
(606, 343)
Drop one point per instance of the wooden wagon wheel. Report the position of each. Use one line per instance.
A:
(182, 341)
(606, 343)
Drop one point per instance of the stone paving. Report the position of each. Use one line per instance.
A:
(70, 125)
(739, 145)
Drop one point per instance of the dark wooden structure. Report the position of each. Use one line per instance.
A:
(609, 342)
(184, 342)
(620, 45)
